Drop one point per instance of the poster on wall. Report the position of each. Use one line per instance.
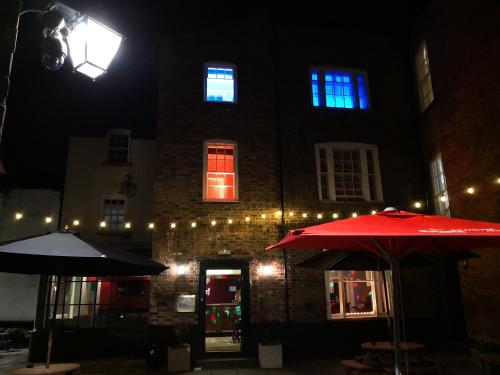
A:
(185, 303)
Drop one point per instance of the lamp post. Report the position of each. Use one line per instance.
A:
(89, 44)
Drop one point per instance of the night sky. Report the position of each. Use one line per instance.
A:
(46, 107)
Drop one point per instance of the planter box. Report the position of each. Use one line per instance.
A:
(270, 356)
(179, 358)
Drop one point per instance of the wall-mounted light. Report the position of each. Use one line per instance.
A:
(229, 221)
(18, 216)
(48, 220)
(471, 190)
(247, 219)
(103, 224)
(173, 225)
(181, 269)
(151, 225)
(443, 198)
(263, 216)
(497, 180)
(193, 224)
(266, 270)
(213, 223)
(76, 222)
(128, 225)
(291, 213)
(417, 204)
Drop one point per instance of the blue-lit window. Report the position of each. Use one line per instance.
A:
(343, 88)
(220, 83)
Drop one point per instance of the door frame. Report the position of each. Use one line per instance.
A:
(229, 264)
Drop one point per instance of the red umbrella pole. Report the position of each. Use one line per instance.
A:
(396, 324)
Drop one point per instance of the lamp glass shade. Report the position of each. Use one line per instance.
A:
(92, 47)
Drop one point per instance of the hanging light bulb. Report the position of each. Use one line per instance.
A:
(103, 224)
(193, 224)
(304, 215)
(263, 216)
(151, 225)
(48, 220)
(76, 222)
(470, 190)
(128, 225)
(319, 216)
(291, 213)
(335, 216)
(497, 180)
(442, 198)
(18, 216)
(229, 221)
(173, 225)
(213, 223)
(354, 214)
(373, 212)
(247, 219)
(417, 204)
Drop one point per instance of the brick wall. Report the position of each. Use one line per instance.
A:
(462, 124)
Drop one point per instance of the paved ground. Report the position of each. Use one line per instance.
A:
(457, 365)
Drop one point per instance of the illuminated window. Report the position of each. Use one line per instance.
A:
(113, 213)
(424, 82)
(348, 172)
(439, 189)
(220, 83)
(339, 88)
(118, 146)
(355, 294)
(220, 172)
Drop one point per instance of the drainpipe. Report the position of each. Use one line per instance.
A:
(279, 159)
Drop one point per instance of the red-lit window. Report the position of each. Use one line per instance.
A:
(220, 172)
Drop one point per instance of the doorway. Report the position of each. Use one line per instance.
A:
(224, 306)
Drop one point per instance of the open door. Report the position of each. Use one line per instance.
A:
(224, 306)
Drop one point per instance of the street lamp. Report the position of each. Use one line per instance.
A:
(89, 44)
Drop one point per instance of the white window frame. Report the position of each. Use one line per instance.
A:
(381, 307)
(108, 139)
(439, 187)
(423, 76)
(363, 148)
(235, 168)
(321, 69)
(220, 64)
(101, 213)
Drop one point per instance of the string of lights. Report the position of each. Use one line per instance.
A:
(266, 216)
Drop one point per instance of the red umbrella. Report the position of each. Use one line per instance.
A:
(393, 234)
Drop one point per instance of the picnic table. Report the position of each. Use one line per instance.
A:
(378, 357)
(54, 369)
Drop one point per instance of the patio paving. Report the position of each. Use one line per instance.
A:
(457, 365)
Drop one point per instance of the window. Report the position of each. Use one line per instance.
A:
(348, 172)
(88, 302)
(424, 82)
(339, 88)
(118, 146)
(439, 190)
(220, 83)
(220, 177)
(113, 213)
(355, 294)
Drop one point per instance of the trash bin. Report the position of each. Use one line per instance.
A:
(153, 357)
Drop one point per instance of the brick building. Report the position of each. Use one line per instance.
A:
(270, 130)
(460, 132)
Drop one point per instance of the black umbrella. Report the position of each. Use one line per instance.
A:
(68, 254)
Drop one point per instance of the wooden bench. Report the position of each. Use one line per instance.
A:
(354, 366)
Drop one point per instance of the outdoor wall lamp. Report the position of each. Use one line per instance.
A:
(90, 45)
(266, 270)
(181, 269)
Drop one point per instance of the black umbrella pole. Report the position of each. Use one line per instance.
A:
(396, 324)
(53, 325)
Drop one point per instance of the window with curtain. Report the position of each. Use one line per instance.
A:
(221, 172)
